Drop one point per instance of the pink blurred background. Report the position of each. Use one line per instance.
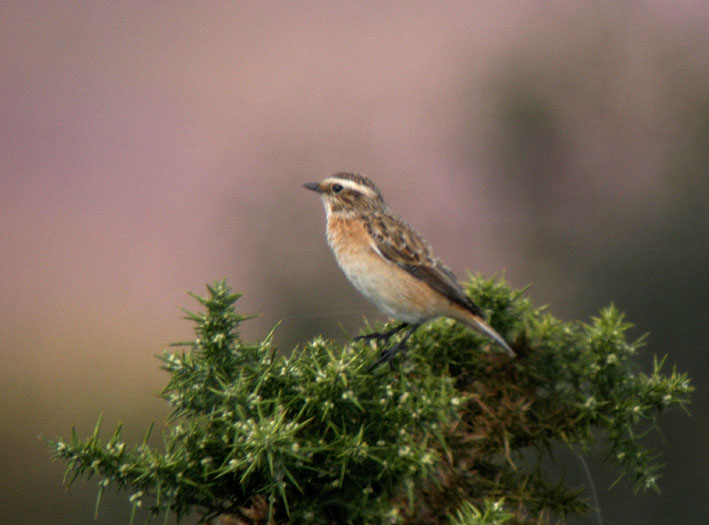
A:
(148, 149)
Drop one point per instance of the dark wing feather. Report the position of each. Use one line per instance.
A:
(396, 241)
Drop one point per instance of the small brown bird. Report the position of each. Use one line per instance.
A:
(390, 263)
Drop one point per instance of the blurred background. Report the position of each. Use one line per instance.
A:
(146, 150)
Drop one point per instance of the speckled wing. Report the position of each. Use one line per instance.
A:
(399, 243)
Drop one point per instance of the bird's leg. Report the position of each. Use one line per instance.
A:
(387, 355)
(381, 336)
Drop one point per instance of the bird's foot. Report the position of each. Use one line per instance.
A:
(387, 355)
(381, 336)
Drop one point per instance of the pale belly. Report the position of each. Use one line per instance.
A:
(383, 288)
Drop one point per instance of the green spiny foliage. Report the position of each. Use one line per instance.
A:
(313, 437)
(493, 514)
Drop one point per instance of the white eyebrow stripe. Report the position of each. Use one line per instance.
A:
(352, 185)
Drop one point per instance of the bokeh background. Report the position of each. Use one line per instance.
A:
(149, 148)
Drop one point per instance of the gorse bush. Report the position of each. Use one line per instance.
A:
(313, 437)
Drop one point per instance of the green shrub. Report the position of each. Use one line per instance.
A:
(445, 436)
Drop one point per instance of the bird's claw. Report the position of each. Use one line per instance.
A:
(381, 336)
(387, 356)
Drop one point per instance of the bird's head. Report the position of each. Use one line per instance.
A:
(348, 194)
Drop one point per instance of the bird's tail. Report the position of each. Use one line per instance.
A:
(479, 324)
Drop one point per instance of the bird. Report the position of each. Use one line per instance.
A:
(391, 264)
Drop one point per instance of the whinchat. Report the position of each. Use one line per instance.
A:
(390, 263)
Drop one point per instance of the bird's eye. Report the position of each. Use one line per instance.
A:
(336, 188)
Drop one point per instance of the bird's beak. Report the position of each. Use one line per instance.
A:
(315, 186)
